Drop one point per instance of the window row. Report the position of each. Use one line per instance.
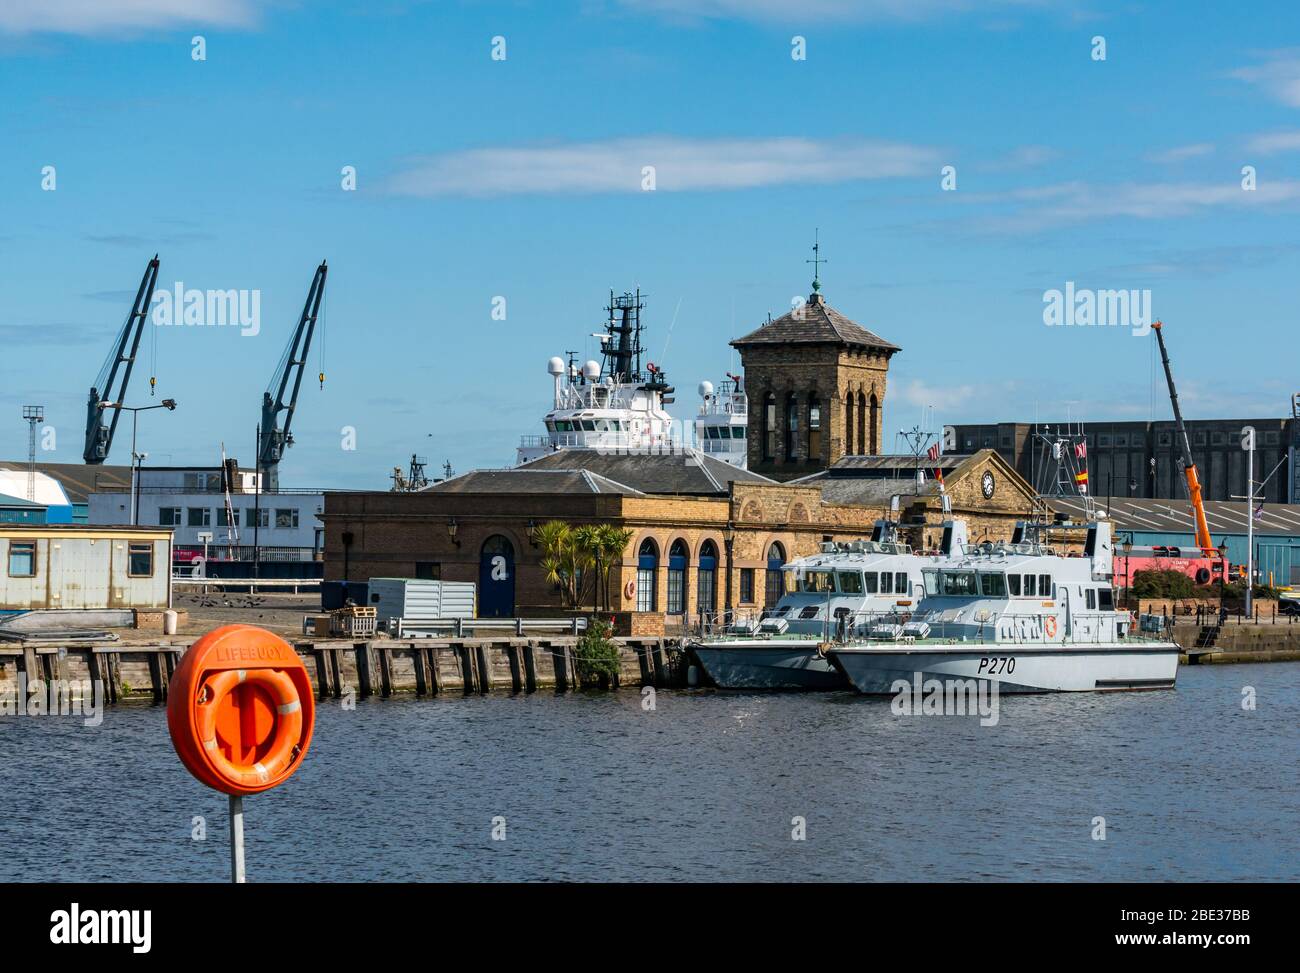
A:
(286, 517)
(22, 560)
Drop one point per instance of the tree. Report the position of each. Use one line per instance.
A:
(562, 560)
(612, 542)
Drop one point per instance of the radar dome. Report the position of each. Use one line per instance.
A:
(555, 366)
(591, 370)
(706, 389)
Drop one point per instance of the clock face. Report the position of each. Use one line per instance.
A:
(988, 485)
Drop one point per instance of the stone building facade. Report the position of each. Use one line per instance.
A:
(691, 557)
(816, 385)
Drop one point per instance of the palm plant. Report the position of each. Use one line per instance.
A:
(562, 560)
(612, 541)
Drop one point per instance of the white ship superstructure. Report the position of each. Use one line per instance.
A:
(828, 598)
(722, 422)
(1018, 615)
(612, 404)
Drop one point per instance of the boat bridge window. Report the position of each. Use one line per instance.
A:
(817, 581)
(872, 582)
(588, 425)
(886, 582)
(959, 584)
(1044, 586)
(563, 425)
(1013, 585)
(850, 582)
(810, 611)
(1090, 597)
(1031, 586)
(993, 585)
(1105, 599)
(900, 583)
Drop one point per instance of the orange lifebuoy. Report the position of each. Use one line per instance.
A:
(240, 709)
(629, 589)
(1049, 626)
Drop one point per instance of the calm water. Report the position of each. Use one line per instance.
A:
(594, 788)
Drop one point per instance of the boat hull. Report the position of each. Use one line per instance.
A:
(768, 665)
(877, 670)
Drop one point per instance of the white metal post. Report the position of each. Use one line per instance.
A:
(236, 839)
(1248, 444)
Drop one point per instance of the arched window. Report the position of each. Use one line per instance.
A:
(706, 600)
(862, 425)
(848, 424)
(647, 563)
(791, 427)
(875, 424)
(774, 578)
(769, 426)
(677, 557)
(814, 427)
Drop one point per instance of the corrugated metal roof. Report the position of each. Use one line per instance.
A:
(79, 480)
(1173, 516)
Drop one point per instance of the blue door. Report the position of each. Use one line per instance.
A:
(496, 579)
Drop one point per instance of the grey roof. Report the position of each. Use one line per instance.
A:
(79, 480)
(900, 465)
(815, 322)
(872, 493)
(687, 471)
(7, 501)
(531, 481)
(1175, 516)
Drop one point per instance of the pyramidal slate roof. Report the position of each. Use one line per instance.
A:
(521, 480)
(815, 322)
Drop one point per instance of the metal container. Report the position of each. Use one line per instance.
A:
(416, 600)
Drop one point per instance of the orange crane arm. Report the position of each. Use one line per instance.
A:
(1203, 540)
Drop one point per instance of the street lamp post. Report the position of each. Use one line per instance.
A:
(135, 410)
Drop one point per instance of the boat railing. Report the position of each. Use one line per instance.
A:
(997, 628)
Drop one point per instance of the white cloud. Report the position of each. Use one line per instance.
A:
(944, 398)
(1038, 208)
(820, 10)
(1275, 142)
(1278, 75)
(1025, 157)
(680, 165)
(1180, 153)
(107, 16)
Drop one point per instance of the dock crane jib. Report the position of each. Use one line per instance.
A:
(111, 383)
(281, 395)
(1203, 540)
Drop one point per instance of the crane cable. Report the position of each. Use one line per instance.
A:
(320, 345)
(153, 354)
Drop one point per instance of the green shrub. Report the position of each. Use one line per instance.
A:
(596, 655)
(1162, 584)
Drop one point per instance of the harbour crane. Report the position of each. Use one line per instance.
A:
(107, 391)
(273, 437)
(1203, 540)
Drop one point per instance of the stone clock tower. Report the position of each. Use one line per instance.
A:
(816, 387)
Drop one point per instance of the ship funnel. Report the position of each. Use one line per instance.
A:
(954, 538)
(1099, 547)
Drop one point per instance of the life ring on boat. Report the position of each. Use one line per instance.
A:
(1049, 626)
(629, 589)
(288, 726)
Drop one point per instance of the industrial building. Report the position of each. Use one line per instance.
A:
(71, 567)
(1163, 523)
(224, 516)
(62, 489)
(1141, 459)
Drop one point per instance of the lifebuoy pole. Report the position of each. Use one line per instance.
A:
(236, 839)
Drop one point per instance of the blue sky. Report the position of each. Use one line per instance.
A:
(521, 178)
